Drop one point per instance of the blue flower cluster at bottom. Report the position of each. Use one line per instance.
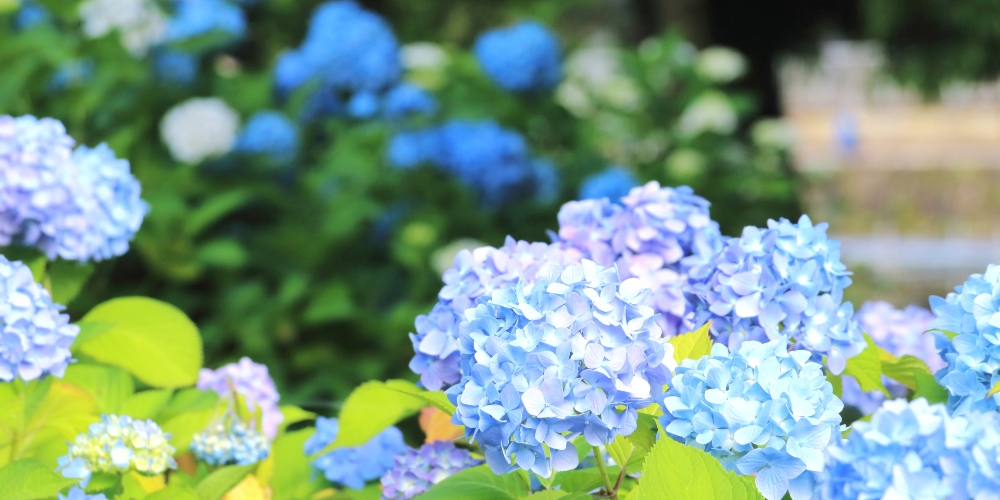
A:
(353, 467)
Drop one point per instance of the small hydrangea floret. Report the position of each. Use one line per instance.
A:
(230, 442)
(116, 445)
(251, 381)
(415, 471)
(353, 467)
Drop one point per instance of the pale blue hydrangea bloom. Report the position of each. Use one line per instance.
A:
(521, 58)
(353, 467)
(270, 134)
(251, 381)
(78, 205)
(476, 274)
(910, 450)
(900, 332)
(785, 280)
(75, 493)
(195, 18)
(613, 184)
(760, 410)
(230, 442)
(417, 470)
(35, 336)
(575, 352)
(116, 445)
(972, 316)
(407, 99)
(657, 234)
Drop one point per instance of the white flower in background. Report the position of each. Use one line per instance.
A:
(424, 55)
(721, 65)
(773, 133)
(710, 112)
(594, 76)
(199, 128)
(140, 22)
(444, 258)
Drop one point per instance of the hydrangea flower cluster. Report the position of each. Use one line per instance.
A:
(709, 112)
(199, 128)
(270, 134)
(576, 351)
(477, 273)
(520, 58)
(79, 205)
(352, 467)
(494, 161)
(140, 23)
(417, 470)
(195, 18)
(784, 280)
(971, 315)
(901, 332)
(75, 493)
(658, 234)
(118, 444)
(407, 99)
(252, 381)
(230, 442)
(613, 183)
(911, 450)
(761, 409)
(35, 336)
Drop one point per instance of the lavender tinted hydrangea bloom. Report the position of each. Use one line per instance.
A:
(230, 442)
(900, 332)
(521, 58)
(35, 336)
(476, 274)
(784, 280)
(761, 409)
(352, 467)
(79, 205)
(576, 351)
(971, 315)
(250, 380)
(116, 445)
(658, 235)
(417, 470)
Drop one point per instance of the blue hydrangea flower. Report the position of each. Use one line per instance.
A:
(613, 183)
(251, 381)
(475, 274)
(520, 58)
(574, 352)
(269, 133)
(971, 316)
(79, 205)
(546, 181)
(116, 445)
(900, 332)
(194, 18)
(657, 234)
(35, 336)
(786, 280)
(175, 66)
(364, 104)
(417, 470)
(407, 99)
(409, 149)
(230, 442)
(71, 73)
(760, 410)
(353, 467)
(31, 14)
(75, 493)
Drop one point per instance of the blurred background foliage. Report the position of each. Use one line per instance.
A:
(318, 267)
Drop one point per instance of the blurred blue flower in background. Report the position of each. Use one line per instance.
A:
(72, 73)
(31, 14)
(271, 134)
(613, 183)
(75, 493)
(364, 104)
(194, 18)
(407, 99)
(521, 58)
(353, 467)
(546, 181)
(417, 470)
(175, 66)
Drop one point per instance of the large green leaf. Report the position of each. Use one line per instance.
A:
(30, 479)
(371, 408)
(292, 477)
(630, 451)
(674, 471)
(560, 495)
(109, 385)
(866, 368)
(692, 345)
(183, 426)
(582, 480)
(293, 414)
(904, 369)
(479, 483)
(222, 480)
(66, 279)
(929, 389)
(38, 424)
(174, 492)
(146, 404)
(153, 340)
(436, 399)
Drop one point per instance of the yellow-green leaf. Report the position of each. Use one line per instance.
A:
(929, 389)
(904, 369)
(109, 385)
(30, 479)
(866, 368)
(373, 407)
(479, 483)
(222, 480)
(692, 345)
(993, 390)
(436, 399)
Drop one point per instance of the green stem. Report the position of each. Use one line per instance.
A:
(599, 457)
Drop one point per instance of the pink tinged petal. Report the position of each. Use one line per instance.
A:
(748, 306)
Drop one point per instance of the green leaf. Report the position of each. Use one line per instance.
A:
(332, 302)
(630, 451)
(479, 483)
(183, 426)
(189, 400)
(222, 480)
(293, 414)
(582, 480)
(371, 408)
(214, 209)
(109, 385)
(30, 479)
(993, 390)
(174, 492)
(692, 345)
(866, 368)
(554, 494)
(146, 404)
(38, 423)
(153, 340)
(437, 399)
(226, 253)
(929, 388)
(904, 369)
(950, 335)
(292, 472)
(836, 381)
(674, 471)
(66, 279)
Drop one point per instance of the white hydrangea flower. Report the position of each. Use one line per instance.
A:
(199, 128)
(140, 22)
(710, 112)
(720, 64)
(423, 55)
(594, 75)
(773, 133)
